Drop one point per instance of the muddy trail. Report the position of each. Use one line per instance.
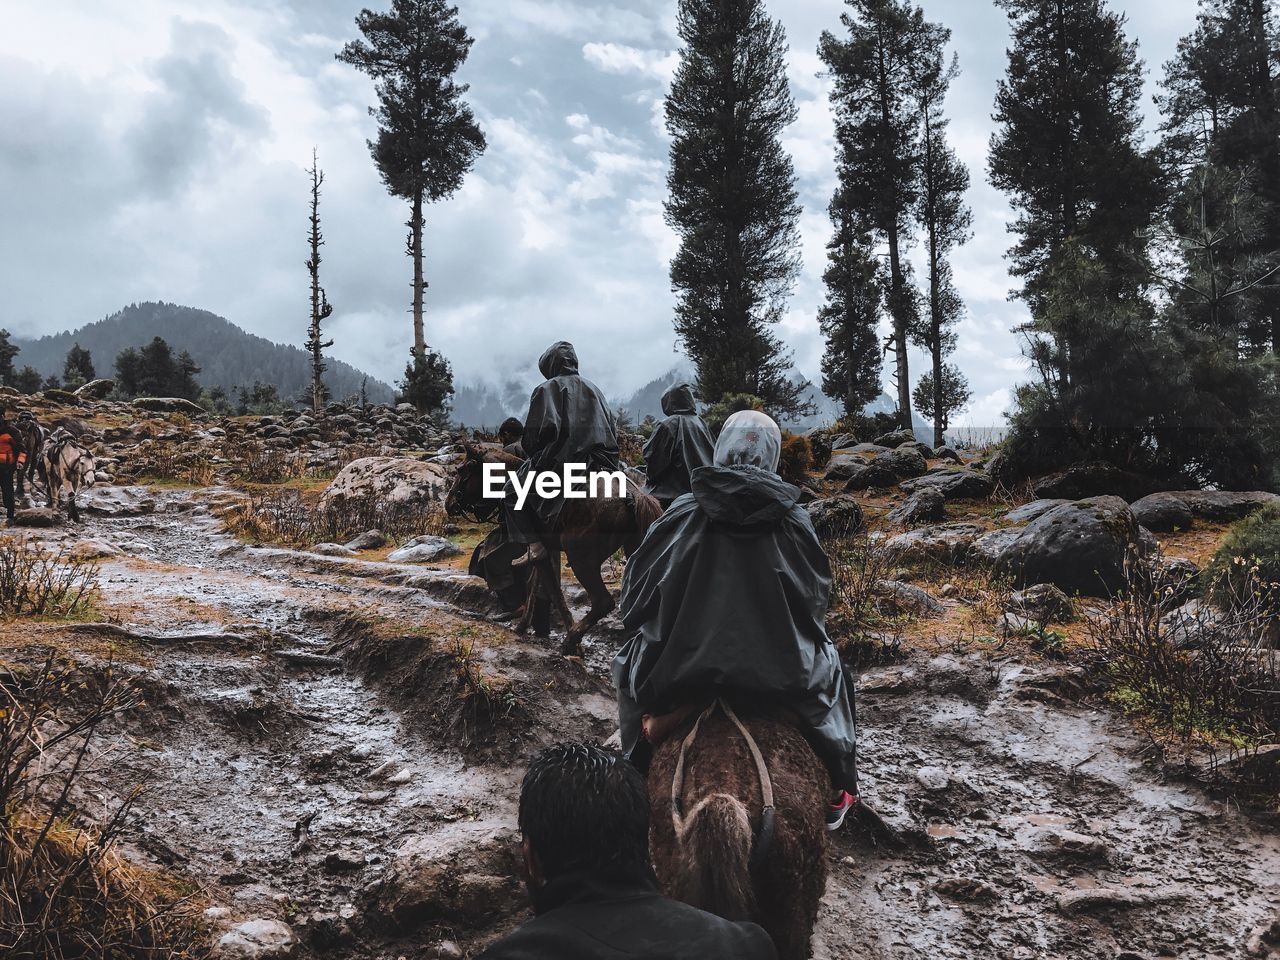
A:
(337, 744)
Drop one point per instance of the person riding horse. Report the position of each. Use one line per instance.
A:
(679, 445)
(509, 435)
(568, 423)
(728, 593)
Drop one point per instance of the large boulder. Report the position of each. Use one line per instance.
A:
(924, 506)
(905, 461)
(1175, 510)
(168, 405)
(896, 438)
(1033, 510)
(986, 549)
(1079, 547)
(425, 550)
(842, 465)
(1095, 479)
(257, 940)
(118, 502)
(392, 481)
(835, 516)
(952, 484)
(862, 476)
(943, 543)
(98, 389)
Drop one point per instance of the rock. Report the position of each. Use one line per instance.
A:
(424, 550)
(1175, 577)
(471, 881)
(895, 438)
(944, 543)
(969, 889)
(947, 453)
(911, 598)
(835, 517)
(344, 861)
(1264, 941)
(842, 441)
(1095, 479)
(37, 517)
(1079, 547)
(369, 540)
(168, 405)
(866, 475)
(905, 461)
(987, 548)
(446, 950)
(118, 502)
(1192, 625)
(1033, 510)
(1075, 902)
(1175, 510)
(389, 481)
(333, 550)
(256, 940)
(1043, 603)
(94, 390)
(842, 465)
(869, 449)
(923, 506)
(953, 484)
(94, 550)
(1069, 843)
(62, 396)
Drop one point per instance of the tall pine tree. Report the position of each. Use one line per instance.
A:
(876, 70)
(77, 369)
(428, 138)
(733, 200)
(851, 363)
(941, 211)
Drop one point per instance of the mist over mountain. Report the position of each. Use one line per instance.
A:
(229, 357)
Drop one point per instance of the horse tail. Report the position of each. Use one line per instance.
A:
(646, 512)
(715, 846)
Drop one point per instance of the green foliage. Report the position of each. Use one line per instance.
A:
(153, 371)
(427, 383)
(216, 401)
(78, 368)
(7, 352)
(262, 399)
(1245, 570)
(27, 380)
(733, 200)
(716, 414)
(941, 400)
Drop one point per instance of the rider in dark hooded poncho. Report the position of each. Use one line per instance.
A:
(729, 594)
(568, 422)
(679, 445)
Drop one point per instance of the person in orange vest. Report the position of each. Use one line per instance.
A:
(12, 456)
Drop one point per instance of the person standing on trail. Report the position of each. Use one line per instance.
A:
(12, 456)
(679, 445)
(568, 422)
(584, 826)
(729, 594)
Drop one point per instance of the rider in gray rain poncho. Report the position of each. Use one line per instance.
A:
(568, 422)
(678, 446)
(729, 594)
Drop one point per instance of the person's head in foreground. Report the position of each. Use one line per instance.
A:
(583, 809)
(749, 438)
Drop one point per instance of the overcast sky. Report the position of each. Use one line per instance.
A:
(156, 150)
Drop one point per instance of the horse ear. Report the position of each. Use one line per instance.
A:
(470, 449)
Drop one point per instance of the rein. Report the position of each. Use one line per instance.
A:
(764, 837)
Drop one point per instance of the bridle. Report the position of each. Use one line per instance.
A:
(480, 511)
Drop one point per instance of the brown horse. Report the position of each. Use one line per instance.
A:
(738, 826)
(589, 531)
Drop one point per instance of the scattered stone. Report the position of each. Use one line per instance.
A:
(905, 461)
(841, 466)
(369, 540)
(1043, 603)
(390, 481)
(947, 453)
(933, 779)
(986, 550)
(118, 502)
(371, 798)
(896, 438)
(835, 517)
(94, 390)
(969, 889)
(1033, 510)
(333, 550)
(1095, 479)
(925, 505)
(257, 940)
(867, 475)
(344, 861)
(1175, 577)
(1264, 941)
(168, 405)
(1079, 547)
(1059, 841)
(1075, 902)
(953, 484)
(944, 543)
(424, 550)
(94, 550)
(40, 517)
(1175, 510)
(911, 599)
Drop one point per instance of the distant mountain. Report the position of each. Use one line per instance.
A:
(228, 356)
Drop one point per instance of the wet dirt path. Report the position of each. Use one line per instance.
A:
(1031, 823)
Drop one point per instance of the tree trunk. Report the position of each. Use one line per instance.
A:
(419, 284)
(898, 292)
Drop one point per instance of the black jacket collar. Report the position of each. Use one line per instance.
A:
(595, 886)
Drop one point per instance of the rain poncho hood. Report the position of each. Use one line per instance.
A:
(678, 446)
(728, 594)
(558, 360)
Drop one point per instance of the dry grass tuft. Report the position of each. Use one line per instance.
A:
(284, 517)
(38, 582)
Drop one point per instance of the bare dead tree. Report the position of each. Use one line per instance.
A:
(321, 308)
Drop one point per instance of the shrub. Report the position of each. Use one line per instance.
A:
(1246, 568)
(283, 517)
(38, 582)
(797, 458)
(716, 414)
(65, 891)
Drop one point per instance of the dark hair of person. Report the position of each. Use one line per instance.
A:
(583, 808)
(511, 425)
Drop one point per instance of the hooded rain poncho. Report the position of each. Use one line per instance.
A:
(729, 594)
(679, 445)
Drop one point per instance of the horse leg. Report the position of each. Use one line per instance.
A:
(72, 511)
(587, 570)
